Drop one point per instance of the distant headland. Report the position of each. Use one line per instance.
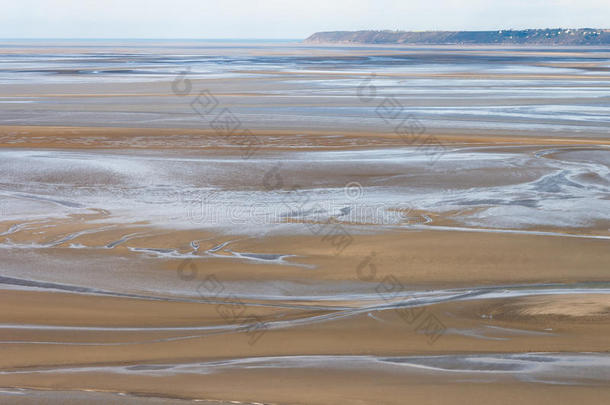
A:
(549, 36)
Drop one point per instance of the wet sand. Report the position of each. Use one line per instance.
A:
(155, 260)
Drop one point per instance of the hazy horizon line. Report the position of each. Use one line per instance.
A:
(284, 39)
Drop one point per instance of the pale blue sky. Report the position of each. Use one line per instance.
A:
(283, 18)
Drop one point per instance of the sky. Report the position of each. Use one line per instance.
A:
(284, 18)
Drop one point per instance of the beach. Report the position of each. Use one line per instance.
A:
(285, 223)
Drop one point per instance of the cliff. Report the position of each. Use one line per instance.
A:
(559, 36)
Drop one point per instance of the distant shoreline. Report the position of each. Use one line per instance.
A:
(555, 36)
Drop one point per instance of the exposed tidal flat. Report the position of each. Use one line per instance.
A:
(240, 222)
